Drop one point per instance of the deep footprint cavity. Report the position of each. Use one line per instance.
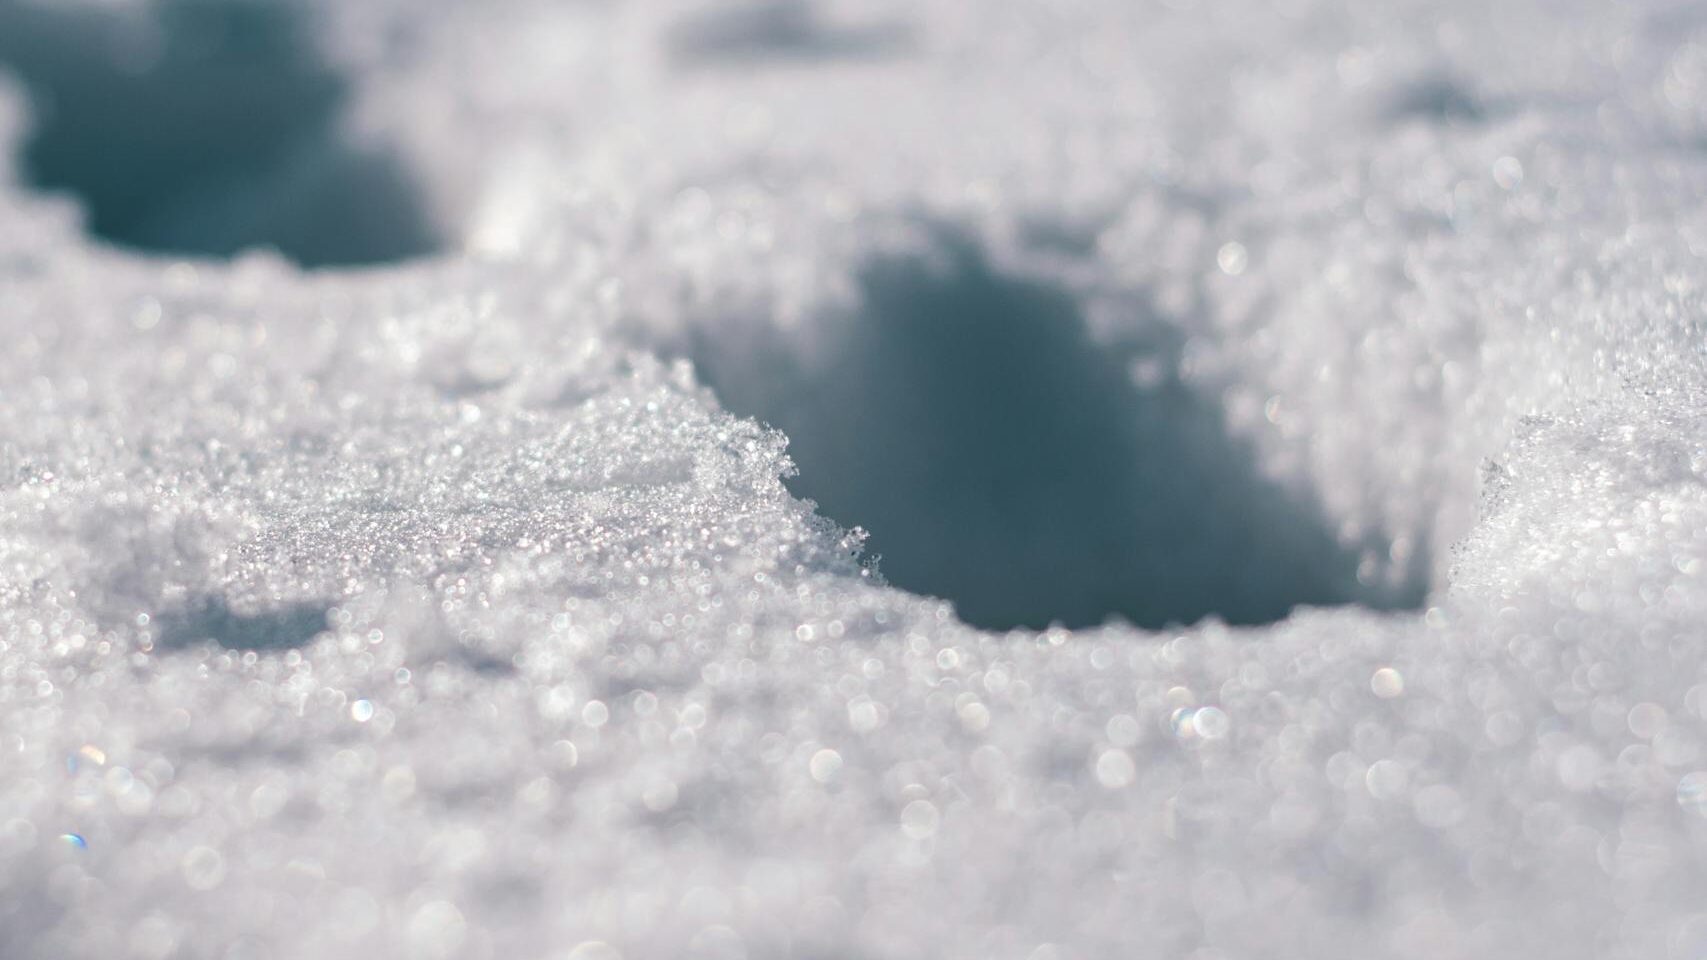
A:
(1003, 460)
(195, 127)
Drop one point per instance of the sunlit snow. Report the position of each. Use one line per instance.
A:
(852, 480)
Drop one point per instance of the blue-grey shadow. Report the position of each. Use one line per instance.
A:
(211, 619)
(780, 32)
(201, 127)
(1002, 459)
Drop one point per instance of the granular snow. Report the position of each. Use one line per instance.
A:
(463, 606)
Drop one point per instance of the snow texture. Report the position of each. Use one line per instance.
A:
(438, 440)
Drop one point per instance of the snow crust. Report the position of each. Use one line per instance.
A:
(458, 607)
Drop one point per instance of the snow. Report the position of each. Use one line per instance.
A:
(482, 571)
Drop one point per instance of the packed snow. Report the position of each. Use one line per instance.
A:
(853, 480)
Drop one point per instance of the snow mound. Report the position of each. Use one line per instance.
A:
(1278, 428)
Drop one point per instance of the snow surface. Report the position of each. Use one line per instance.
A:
(457, 607)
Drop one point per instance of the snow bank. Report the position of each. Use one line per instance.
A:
(467, 606)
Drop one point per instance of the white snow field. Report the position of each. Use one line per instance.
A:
(1281, 427)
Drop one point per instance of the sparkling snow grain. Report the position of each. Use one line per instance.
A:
(444, 609)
